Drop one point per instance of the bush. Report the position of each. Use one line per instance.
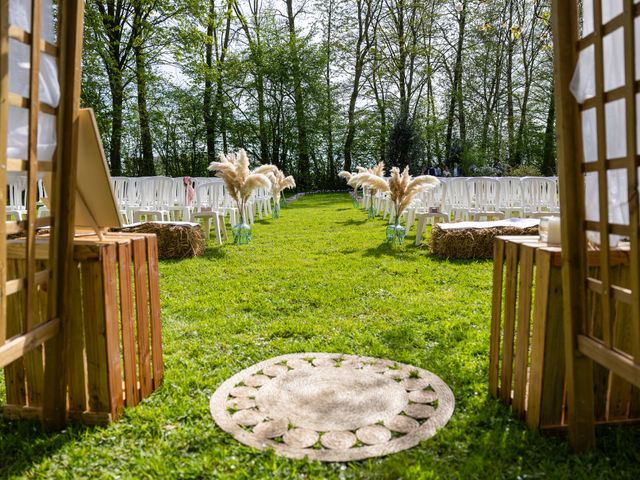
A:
(526, 171)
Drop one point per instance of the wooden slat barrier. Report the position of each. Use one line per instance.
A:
(115, 345)
(526, 365)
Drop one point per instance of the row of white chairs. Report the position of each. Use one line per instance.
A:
(475, 198)
(16, 208)
(167, 199)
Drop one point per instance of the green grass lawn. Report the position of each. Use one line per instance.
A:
(318, 279)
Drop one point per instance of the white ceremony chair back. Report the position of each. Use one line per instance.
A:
(484, 197)
(17, 189)
(457, 198)
(511, 198)
(155, 198)
(208, 205)
(540, 196)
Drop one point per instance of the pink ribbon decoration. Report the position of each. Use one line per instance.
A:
(191, 193)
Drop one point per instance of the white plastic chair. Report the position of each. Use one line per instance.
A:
(16, 200)
(208, 202)
(179, 200)
(155, 199)
(120, 187)
(435, 208)
(457, 198)
(540, 196)
(43, 210)
(511, 199)
(484, 198)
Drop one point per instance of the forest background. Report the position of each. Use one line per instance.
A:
(317, 86)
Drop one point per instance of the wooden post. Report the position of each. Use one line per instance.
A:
(579, 376)
(496, 315)
(4, 120)
(61, 299)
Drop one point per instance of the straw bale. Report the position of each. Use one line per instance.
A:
(466, 243)
(175, 240)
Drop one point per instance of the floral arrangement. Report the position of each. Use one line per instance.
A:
(278, 183)
(240, 183)
(353, 180)
(401, 188)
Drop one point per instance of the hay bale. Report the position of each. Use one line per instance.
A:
(175, 239)
(467, 240)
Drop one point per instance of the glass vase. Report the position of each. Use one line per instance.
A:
(395, 234)
(241, 233)
(275, 213)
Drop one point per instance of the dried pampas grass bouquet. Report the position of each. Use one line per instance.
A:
(240, 183)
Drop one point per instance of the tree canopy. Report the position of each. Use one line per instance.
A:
(315, 87)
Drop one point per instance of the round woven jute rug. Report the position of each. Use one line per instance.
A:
(332, 407)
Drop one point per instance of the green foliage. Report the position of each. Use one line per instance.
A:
(526, 171)
(405, 145)
(405, 75)
(320, 278)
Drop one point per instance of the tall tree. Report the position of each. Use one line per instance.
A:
(304, 170)
(456, 99)
(253, 35)
(108, 21)
(367, 17)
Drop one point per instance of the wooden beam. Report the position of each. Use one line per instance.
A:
(632, 175)
(574, 271)
(4, 120)
(25, 37)
(61, 297)
(614, 360)
(16, 347)
(16, 100)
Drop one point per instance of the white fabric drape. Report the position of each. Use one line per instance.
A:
(49, 87)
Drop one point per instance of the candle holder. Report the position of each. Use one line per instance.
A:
(554, 236)
(543, 229)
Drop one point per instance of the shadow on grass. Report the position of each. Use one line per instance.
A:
(214, 253)
(389, 250)
(25, 443)
(352, 222)
(455, 261)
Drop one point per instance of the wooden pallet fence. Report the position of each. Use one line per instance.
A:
(114, 342)
(526, 358)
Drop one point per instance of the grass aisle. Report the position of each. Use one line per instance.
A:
(317, 279)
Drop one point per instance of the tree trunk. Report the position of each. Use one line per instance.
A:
(549, 150)
(331, 170)
(355, 89)
(115, 85)
(262, 124)
(456, 89)
(510, 115)
(207, 104)
(147, 167)
(301, 121)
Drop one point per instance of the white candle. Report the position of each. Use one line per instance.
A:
(554, 236)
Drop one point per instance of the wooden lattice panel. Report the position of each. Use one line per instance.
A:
(597, 144)
(35, 290)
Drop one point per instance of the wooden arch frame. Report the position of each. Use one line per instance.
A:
(45, 329)
(583, 347)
